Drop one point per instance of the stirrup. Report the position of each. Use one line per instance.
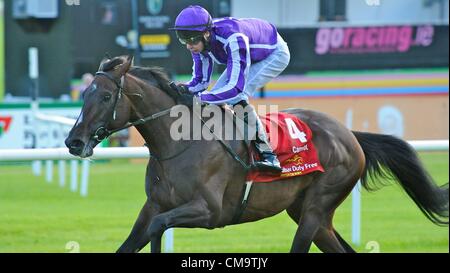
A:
(265, 166)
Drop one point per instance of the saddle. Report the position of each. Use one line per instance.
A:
(291, 140)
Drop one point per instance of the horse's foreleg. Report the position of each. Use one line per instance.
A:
(194, 214)
(138, 237)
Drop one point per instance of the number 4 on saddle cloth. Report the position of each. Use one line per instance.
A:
(291, 140)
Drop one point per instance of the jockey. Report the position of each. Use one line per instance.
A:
(254, 54)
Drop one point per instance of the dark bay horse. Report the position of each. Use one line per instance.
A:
(196, 184)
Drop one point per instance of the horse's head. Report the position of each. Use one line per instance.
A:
(105, 107)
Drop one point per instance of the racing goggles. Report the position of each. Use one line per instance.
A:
(191, 41)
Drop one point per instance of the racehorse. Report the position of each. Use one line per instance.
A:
(195, 184)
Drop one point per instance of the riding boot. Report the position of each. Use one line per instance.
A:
(268, 159)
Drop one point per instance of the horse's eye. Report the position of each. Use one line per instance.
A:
(106, 98)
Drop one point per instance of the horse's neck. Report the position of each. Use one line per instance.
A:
(156, 133)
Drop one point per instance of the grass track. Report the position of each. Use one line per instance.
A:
(39, 217)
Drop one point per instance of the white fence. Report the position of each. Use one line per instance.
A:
(63, 154)
(142, 152)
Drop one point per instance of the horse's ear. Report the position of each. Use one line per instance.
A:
(104, 60)
(130, 58)
(126, 65)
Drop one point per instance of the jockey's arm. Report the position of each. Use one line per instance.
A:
(238, 52)
(201, 73)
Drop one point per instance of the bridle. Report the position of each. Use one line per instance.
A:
(102, 132)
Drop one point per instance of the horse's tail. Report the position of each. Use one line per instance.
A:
(390, 157)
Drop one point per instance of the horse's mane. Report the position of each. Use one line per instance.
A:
(154, 75)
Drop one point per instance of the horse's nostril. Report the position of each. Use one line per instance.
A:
(75, 146)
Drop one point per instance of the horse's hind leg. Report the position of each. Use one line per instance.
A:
(324, 239)
(317, 208)
(306, 231)
(295, 210)
(329, 241)
(344, 243)
(308, 223)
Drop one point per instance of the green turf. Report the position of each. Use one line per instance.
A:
(39, 217)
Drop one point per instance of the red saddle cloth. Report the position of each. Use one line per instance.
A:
(291, 140)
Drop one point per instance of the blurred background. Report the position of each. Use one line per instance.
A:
(375, 65)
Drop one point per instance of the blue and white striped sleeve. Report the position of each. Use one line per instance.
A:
(238, 64)
(201, 73)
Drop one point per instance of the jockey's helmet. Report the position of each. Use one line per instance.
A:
(191, 23)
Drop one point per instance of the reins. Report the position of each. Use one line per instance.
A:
(102, 132)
